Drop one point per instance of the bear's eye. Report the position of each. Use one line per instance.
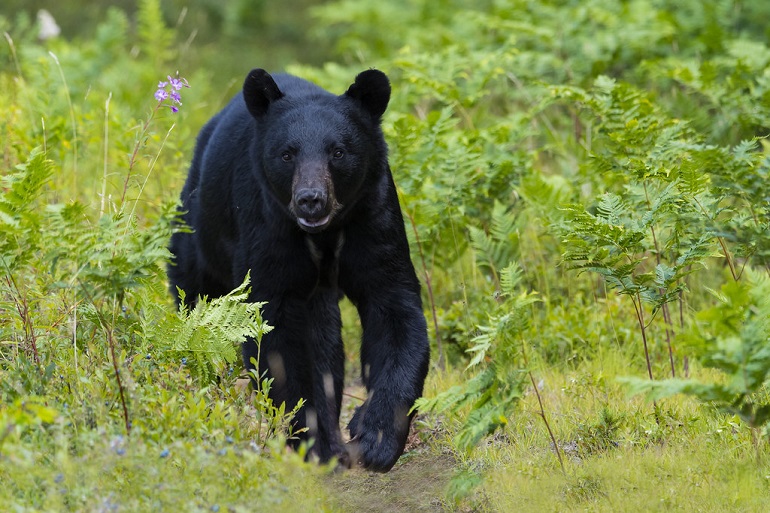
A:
(286, 156)
(338, 154)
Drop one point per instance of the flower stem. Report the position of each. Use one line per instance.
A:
(132, 159)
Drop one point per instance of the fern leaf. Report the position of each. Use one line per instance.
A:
(610, 209)
(210, 334)
(21, 188)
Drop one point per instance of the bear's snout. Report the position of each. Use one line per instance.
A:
(310, 202)
(312, 208)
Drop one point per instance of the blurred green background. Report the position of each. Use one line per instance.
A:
(226, 36)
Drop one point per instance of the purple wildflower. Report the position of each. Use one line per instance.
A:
(178, 83)
(169, 90)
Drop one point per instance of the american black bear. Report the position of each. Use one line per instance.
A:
(293, 183)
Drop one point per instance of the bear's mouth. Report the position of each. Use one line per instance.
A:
(314, 225)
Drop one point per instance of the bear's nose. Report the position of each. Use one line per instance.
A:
(310, 202)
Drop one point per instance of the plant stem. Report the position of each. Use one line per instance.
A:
(547, 424)
(669, 332)
(640, 317)
(111, 344)
(22, 307)
(664, 306)
(542, 409)
(72, 120)
(722, 243)
(106, 152)
(429, 286)
(149, 171)
(132, 159)
(728, 258)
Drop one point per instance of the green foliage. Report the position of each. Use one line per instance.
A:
(209, 336)
(493, 393)
(90, 346)
(599, 436)
(672, 210)
(22, 414)
(732, 337)
(496, 249)
(155, 39)
(274, 418)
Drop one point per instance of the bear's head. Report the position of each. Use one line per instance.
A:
(317, 149)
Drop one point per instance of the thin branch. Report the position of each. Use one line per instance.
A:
(429, 286)
(640, 317)
(664, 306)
(542, 409)
(22, 307)
(111, 345)
(547, 424)
(723, 244)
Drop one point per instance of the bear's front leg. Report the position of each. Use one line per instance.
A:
(327, 357)
(304, 355)
(394, 359)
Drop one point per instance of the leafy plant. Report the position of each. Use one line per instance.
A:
(669, 209)
(22, 414)
(208, 336)
(493, 393)
(624, 139)
(732, 337)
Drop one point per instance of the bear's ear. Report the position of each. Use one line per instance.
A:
(259, 90)
(372, 90)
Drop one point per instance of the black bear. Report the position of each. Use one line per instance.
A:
(292, 183)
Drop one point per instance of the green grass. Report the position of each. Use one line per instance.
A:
(692, 458)
(696, 459)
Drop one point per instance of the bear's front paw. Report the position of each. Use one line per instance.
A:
(378, 436)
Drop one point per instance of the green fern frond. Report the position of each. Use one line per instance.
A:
(21, 188)
(610, 209)
(496, 249)
(693, 180)
(210, 334)
(510, 278)
(491, 396)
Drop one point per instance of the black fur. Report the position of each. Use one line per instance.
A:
(293, 183)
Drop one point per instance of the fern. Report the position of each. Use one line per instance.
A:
(210, 334)
(19, 217)
(155, 40)
(610, 209)
(493, 393)
(494, 250)
(21, 188)
(20, 248)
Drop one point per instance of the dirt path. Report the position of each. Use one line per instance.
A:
(416, 484)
